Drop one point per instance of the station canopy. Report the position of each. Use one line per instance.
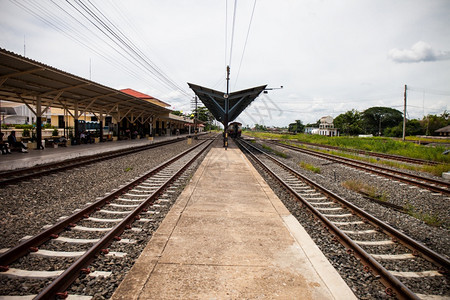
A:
(215, 101)
(27, 81)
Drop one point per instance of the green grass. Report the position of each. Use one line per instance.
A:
(435, 170)
(366, 189)
(128, 169)
(428, 140)
(310, 167)
(277, 153)
(375, 144)
(428, 218)
(371, 191)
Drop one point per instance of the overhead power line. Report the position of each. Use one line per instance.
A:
(429, 91)
(245, 44)
(121, 40)
(232, 32)
(99, 28)
(226, 30)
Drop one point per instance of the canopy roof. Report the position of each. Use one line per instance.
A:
(215, 100)
(25, 80)
(145, 97)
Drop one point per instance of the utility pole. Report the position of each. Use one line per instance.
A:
(225, 122)
(404, 114)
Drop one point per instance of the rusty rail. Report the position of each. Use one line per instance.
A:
(390, 281)
(435, 186)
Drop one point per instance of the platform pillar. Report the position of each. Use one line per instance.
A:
(39, 123)
(101, 127)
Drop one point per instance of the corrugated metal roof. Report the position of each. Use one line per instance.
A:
(143, 96)
(24, 80)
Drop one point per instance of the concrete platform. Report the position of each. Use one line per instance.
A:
(18, 160)
(228, 236)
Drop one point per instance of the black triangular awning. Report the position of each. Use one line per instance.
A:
(215, 100)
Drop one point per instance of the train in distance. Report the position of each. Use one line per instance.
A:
(234, 129)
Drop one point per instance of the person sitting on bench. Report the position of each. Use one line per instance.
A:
(4, 145)
(14, 143)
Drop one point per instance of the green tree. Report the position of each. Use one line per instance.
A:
(377, 119)
(177, 113)
(296, 127)
(260, 127)
(413, 127)
(316, 125)
(349, 123)
(203, 114)
(431, 123)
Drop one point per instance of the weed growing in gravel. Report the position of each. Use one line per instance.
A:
(277, 153)
(437, 170)
(428, 218)
(365, 189)
(128, 169)
(310, 167)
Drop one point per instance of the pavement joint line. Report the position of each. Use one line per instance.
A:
(214, 265)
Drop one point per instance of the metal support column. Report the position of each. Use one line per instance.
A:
(150, 127)
(101, 127)
(77, 129)
(39, 123)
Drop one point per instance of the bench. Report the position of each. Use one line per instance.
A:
(55, 143)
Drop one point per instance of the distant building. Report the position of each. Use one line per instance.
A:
(444, 131)
(326, 127)
(311, 130)
(19, 113)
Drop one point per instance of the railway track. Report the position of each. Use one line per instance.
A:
(11, 177)
(81, 239)
(394, 258)
(371, 153)
(431, 184)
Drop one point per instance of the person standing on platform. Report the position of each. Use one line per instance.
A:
(14, 143)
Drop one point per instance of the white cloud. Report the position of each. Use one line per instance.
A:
(330, 56)
(420, 51)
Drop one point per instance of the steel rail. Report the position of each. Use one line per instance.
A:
(408, 242)
(397, 175)
(371, 153)
(23, 248)
(62, 282)
(386, 277)
(11, 177)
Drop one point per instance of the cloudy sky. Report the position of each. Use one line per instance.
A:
(330, 56)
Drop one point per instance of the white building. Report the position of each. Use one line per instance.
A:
(19, 113)
(326, 127)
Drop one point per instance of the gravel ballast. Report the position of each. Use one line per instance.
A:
(90, 182)
(41, 202)
(331, 177)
